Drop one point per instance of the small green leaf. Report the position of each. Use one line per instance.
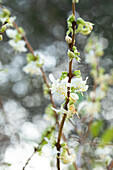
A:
(3, 28)
(95, 128)
(1, 37)
(78, 59)
(77, 73)
(30, 57)
(64, 75)
(107, 136)
(71, 18)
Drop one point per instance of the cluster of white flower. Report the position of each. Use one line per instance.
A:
(16, 42)
(5, 17)
(31, 68)
(6, 21)
(60, 86)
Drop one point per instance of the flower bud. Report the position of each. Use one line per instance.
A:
(74, 97)
(89, 25)
(6, 11)
(85, 31)
(3, 28)
(68, 39)
(1, 37)
(100, 53)
(67, 158)
(71, 54)
(75, 1)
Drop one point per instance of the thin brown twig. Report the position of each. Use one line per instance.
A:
(110, 166)
(58, 145)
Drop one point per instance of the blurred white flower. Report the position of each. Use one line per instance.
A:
(31, 68)
(90, 58)
(18, 46)
(90, 107)
(11, 33)
(67, 158)
(99, 94)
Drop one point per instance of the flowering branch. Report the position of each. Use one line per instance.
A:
(68, 95)
(64, 85)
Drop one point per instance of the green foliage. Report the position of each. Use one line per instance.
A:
(96, 128)
(77, 73)
(30, 57)
(107, 136)
(64, 75)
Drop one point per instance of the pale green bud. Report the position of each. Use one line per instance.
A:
(71, 54)
(75, 1)
(6, 11)
(3, 28)
(46, 91)
(85, 31)
(89, 25)
(77, 73)
(100, 53)
(1, 37)
(68, 39)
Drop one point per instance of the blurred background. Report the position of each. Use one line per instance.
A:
(44, 22)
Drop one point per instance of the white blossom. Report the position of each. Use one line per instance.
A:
(70, 112)
(90, 107)
(11, 20)
(78, 84)
(18, 46)
(8, 20)
(31, 68)
(90, 58)
(99, 94)
(59, 87)
(11, 33)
